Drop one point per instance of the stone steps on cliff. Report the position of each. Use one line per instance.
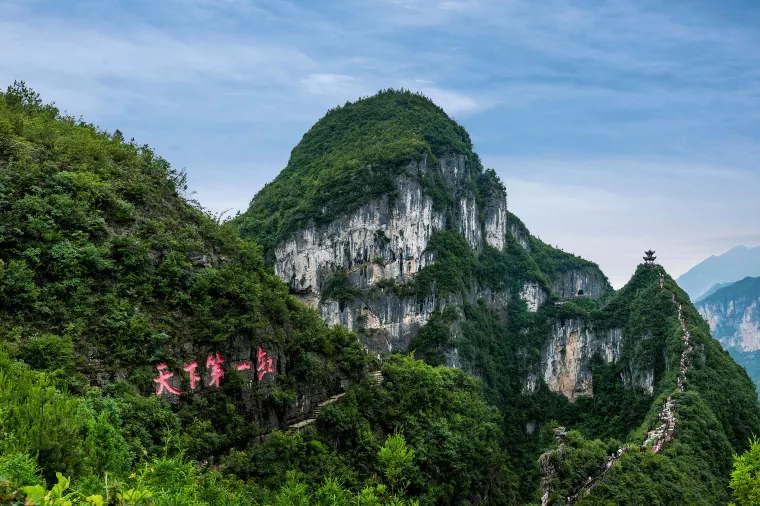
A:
(300, 425)
(658, 436)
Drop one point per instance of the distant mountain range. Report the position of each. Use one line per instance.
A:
(714, 289)
(716, 272)
(733, 313)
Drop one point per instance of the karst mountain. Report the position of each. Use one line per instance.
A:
(237, 362)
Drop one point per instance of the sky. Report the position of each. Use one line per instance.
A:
(617, 126)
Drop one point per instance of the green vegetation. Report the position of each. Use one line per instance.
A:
(692, 470)
(553, 261)
(338, 287)
(99, 253)
(106, 270)
(745, 478)
(427, 436)
(694, 467)
(456, 440)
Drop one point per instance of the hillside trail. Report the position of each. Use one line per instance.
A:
(378, 375)
(663, 432)
(314, 414)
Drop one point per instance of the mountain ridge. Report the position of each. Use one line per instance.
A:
(733, 265)
(115, 289)
(494, 302)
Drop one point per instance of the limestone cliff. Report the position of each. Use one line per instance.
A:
(588, 281)
(386, 240)
(733, 314)
(371, 248)
(566, 357)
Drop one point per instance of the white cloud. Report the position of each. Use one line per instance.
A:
(141, 54)
(454, 102)
(333, 85)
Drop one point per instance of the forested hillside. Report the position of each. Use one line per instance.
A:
(149, 355)
(106, 275)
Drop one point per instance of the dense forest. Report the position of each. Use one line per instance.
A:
(110, 279)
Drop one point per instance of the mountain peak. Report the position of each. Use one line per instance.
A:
(735, 264)
(349, 157)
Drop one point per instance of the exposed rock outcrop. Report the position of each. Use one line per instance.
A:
(533, 295)
(385, 241)
(734, 322)
(567, 354)
(585, 281)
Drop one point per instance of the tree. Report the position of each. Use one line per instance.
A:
(396, 459)
(745, 479)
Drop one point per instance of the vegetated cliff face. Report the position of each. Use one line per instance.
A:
(733, 314)
(418, 251)
(379, 266)
(569, 275)
(691, 375)
(386, 242)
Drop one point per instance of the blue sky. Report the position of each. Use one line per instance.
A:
(617, 126)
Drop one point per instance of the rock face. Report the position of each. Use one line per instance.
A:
(533, 295)
(733, 314)
(567, 354)
(734, 322)
(385, 242)
(584, 281)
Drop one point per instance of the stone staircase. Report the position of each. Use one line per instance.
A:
(314, 414)
(661, 434)
(292, 429)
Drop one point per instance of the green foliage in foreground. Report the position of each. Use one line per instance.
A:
(745, 478)
(459, 450)
(426, 436)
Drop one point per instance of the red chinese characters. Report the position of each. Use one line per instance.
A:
(193, 377)
(263, 366)
(163, 380)
(216, 369)
(216, 373)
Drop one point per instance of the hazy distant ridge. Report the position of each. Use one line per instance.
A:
(729, 267)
